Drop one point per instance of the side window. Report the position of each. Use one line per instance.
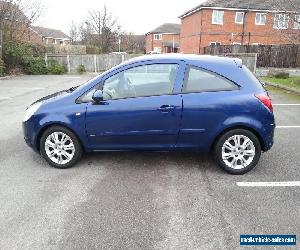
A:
(146, 80)
(199, 80)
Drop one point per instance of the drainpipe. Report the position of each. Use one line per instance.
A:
(244, 27)
(200, 35)
(152, 38)
(173, 45)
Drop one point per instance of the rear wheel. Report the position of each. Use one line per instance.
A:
(60, 147)
(237, 151)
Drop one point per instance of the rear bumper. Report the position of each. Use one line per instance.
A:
(269, 137)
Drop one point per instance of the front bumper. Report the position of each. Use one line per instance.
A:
(30, 134)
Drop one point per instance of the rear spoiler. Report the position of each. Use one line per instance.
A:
(238, 62)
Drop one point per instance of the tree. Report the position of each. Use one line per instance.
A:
(17, 15)
(105, 26)
(132, 43)
(74, 32)
(85, 33)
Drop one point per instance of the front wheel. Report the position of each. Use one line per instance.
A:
(237, 151)
(60, 147)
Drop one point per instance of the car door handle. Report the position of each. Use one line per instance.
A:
(166, 108)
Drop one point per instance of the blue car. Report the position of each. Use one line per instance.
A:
(158, 103)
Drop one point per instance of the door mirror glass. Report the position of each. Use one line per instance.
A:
(98, 96)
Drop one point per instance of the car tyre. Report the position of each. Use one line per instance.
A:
(237, 151)
(60, 147)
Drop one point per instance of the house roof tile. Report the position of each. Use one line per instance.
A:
(272, 5)
(47, 32)
(172, 28)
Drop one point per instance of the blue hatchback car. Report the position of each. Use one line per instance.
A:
(159, 103)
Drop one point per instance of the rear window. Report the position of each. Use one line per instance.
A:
(199, 80)
(253, 78)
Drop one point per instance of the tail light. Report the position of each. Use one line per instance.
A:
(266, 100)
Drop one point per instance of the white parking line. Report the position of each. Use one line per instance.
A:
(287, 126)
(4, 98)
(286, 104)
(30, 88)
(269, 184)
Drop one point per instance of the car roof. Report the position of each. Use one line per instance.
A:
(193, 59)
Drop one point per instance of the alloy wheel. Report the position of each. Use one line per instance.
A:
(59, 148)
(238, 151)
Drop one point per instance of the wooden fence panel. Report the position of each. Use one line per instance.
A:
(92, 63)
(279, 56)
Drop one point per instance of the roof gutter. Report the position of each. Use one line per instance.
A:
(238, 9)
(163, 33)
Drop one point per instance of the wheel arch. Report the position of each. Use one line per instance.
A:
(43, 129)
(255, 132)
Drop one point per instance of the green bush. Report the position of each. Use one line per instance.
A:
(15, 54)
(81, 69)
(38, 50)
(2, 68)
(55, 68)
(90, 49)
(282, 75)
(36, 66)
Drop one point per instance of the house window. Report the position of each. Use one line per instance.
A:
(217, 17)
(297, 22)
(281, 21)
(157, 50)
(239, 17)
(260, 18)
(215, 43)
(235, 43)
(157, 36)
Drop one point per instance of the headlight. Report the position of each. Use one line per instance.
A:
(31, 110)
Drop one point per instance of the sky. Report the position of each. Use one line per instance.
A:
(137, 16)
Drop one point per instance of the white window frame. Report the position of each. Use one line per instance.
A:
(215, 43)
(157, 37)
(236, 15)
(283, 22)
(297, 22)
(260, 19)
(216, 17)
(157, 50)
(236, 43)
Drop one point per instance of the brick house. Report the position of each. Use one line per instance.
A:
(241, 22)
(163, 39)
(14, 21)
(47, 36)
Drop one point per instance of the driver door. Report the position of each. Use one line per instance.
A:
(140, 109)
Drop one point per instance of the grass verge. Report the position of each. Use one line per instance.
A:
(291, 82)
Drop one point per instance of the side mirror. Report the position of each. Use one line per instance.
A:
(98, 96)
